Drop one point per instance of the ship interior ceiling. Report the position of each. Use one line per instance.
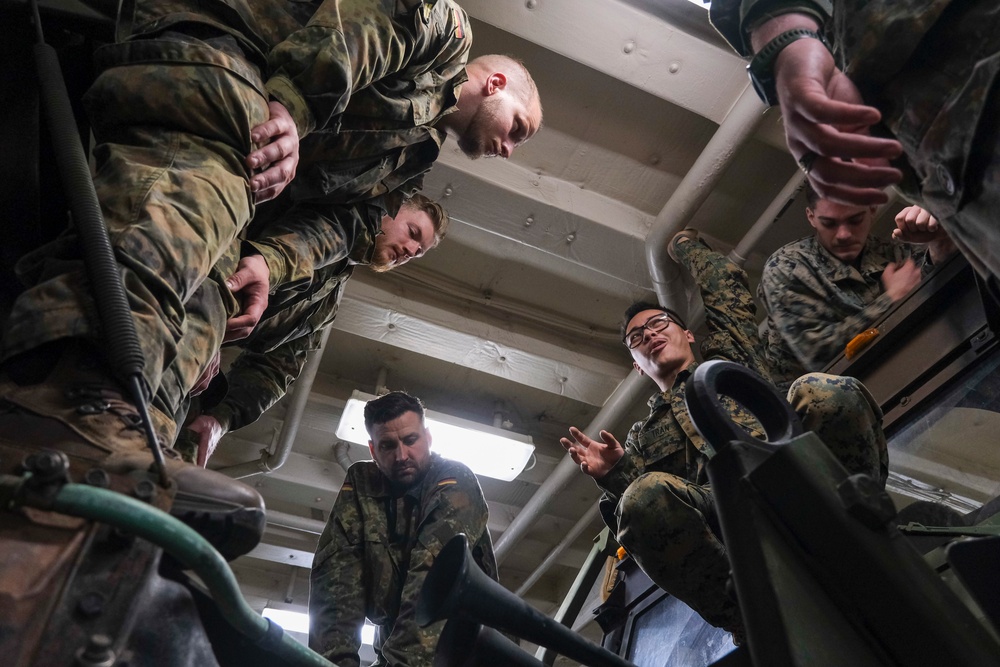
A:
(513, 320)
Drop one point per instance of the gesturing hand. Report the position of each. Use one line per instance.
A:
(250, 284)
(594, 458)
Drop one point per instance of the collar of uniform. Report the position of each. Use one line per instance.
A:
(661, 398)
(381, 488)
(872, 261)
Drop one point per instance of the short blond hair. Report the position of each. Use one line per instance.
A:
(437, 214)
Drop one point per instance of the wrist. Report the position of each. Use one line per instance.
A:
(762, 68)
(771, 27)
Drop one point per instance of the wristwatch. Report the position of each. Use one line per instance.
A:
(761, 68)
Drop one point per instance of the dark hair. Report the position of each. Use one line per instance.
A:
(386, 408)
(812, 197)
(640, 306)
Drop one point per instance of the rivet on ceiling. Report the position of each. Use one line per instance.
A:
(448, 190)
(674, 67)
(531, 4)
(629, 46)
(570, 237)
(529, 221)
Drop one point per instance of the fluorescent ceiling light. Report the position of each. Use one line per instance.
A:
(298, 621)
(488, 451)
(292, 621)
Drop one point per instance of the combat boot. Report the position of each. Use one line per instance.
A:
(59, 396)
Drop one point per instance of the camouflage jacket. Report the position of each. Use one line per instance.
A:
(667, 441)
(373, 111)
(375, 552)
(927, 65)
(272, 357)
(817, 303)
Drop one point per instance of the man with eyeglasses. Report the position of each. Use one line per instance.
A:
(664, 511)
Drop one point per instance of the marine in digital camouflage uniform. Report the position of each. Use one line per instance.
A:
(664, 507)
(375, 552)
(172, 112)
(931, 67)
(817, 303)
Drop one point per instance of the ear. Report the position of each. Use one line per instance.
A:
(495, 82)
(689, 336)
(637, 369)
(371, 449)
(811, 217)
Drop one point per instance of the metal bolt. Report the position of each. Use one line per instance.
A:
(570, 237)
(447, 191)
(97, 653)
(629, 46)
(47, 465)
(91, 604)
(144, 490)
(529, 221)
(97, 477)
(674, 67)
(904, 401)
(531, 4)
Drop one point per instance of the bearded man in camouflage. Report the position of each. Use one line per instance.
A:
(657, 483)
(183, 121)
(392, 517)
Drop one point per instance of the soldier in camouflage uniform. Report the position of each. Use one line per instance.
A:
(929, 71)
(821, 291)
(273, 356)
(392, 517)
(174, 111)
(665, 512)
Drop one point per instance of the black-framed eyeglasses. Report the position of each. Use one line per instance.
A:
(656, 323)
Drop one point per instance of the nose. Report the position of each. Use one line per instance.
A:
(411, 248)
(843, 232)
(506, 149)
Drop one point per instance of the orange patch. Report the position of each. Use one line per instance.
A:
(459, 30)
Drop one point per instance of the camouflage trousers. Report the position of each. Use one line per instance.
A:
(172, 120)
(669, 525)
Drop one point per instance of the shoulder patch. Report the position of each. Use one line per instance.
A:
(447, 481)
(459, 29)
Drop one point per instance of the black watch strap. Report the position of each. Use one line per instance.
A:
(761, 68)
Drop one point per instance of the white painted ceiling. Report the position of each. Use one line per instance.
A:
(517, 311)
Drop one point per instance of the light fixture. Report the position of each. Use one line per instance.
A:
(488, 451)
(298, 621)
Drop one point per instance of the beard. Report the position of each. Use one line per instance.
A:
(478, 139)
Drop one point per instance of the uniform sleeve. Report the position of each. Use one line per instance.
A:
(336, 588)
(734, 18)
(455, 505)
(801, 318)
(626, 471)
(730, 311)
(311, 235)
(348, 45)
(258, 380)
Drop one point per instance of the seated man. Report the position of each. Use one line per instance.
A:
(392, 517)
(658, 482)
(273, 356)
(821, 291)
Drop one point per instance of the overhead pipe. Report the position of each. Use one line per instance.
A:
(295, 522)
(585, 522)
(694, 189)
(271, 461)
(633, 388)
(771, 214)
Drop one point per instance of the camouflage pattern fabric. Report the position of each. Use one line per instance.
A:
(375, 552)
(665, 515)
(172, 119)
(931, 67)
(816, 303)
